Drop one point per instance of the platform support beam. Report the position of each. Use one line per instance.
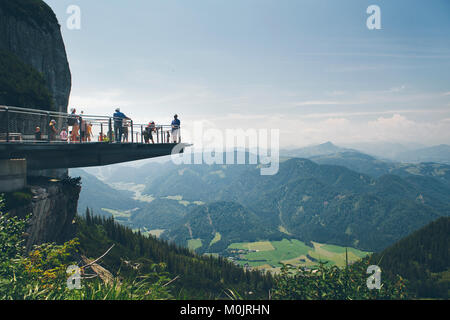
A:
(13, 175)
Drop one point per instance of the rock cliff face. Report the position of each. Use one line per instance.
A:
(30, 30)
(53, 207)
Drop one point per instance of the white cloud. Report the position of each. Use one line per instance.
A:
(300, 131)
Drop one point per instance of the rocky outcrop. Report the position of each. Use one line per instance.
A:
(53, 208)
(30, 30)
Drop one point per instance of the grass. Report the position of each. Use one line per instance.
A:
(284, 230)
(341, 250)
(117, 213)
(259, 246)
(194, 244)
(183, 202)
(271, 255)
(217, 238)
(156, 232)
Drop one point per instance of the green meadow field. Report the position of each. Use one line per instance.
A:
(271, 255)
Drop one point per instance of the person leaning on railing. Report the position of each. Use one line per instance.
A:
(119, 117)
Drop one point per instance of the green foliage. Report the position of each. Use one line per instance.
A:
(17, 199)
(423, 259)
(11, 237)
(137, 289)
(200, 277)
(21, 85)
(333, 283)
(41, 273)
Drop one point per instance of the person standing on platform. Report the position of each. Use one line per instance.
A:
(176, 129)
(119, 117)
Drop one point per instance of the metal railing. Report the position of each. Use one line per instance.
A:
(19, 125)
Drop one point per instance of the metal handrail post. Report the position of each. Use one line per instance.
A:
(132, 132)
(47, 126)
(7, 123)
(110, 131)
(81, 122)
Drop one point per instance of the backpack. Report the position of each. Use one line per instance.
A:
(71, 120)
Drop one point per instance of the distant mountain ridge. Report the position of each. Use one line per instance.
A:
(394, 153)
(315, 150)
(440, 154)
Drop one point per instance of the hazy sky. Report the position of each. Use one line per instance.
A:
(310, 68)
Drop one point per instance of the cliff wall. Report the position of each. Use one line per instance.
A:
(52, 205)
(29, 30)
(35, 73)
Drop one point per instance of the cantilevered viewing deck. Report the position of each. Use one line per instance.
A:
(28, 134)
(56, 155)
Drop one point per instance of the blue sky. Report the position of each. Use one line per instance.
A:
(309, 68)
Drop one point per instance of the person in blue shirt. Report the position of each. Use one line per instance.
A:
(118, 125)
(176, 129)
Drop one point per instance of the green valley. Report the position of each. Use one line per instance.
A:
(271, 255)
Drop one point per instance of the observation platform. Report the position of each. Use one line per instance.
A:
(33, 140)
(41, 156)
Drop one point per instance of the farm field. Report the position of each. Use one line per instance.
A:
(270, 255)
(194, 244)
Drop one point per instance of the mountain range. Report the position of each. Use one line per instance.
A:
(345, 198)
(389, 152)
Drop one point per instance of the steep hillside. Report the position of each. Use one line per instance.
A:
(423, 258)
(356, 161)
(197, 277)
(217, 225)
(97, 195)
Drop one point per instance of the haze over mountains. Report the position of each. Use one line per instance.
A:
(338, 196)
(383, 150)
